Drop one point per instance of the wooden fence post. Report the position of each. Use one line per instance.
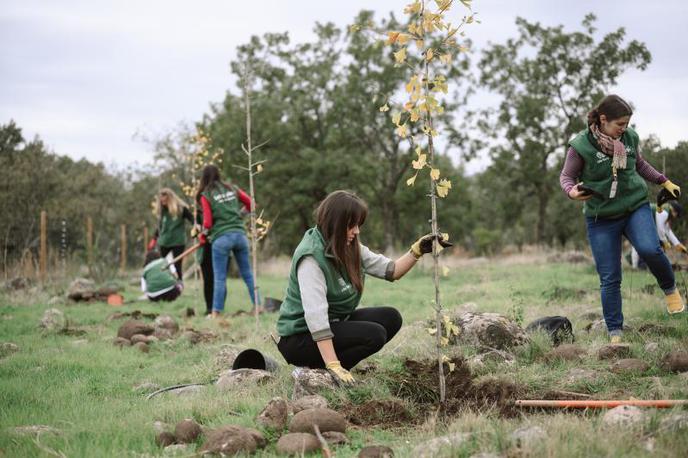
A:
(145, 239)
(123, 248)
(89, 244)
(43, 260)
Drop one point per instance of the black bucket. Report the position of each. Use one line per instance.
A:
(253, 359)
(271, 304)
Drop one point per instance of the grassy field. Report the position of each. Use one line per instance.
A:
(83, 385)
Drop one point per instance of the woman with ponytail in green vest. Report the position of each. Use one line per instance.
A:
(612, 173)
(320, 325)
(170, 235)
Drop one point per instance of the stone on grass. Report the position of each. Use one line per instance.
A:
(614, 351)
(187, 431)
(81, 289)
(651, 347)
(676, 361)
(274, 415)
(566, 352)
(623, 416)
(177, 450)
(376, 451)
(7, 348)
(297, 443)
(35, 429)
(444, 444)
(312, 401)
(53, 321)
(142, 347)
(674, 422)
(493, 356)
(121, 342)
(165, 327)
(132, 327)
(187, 390)
(230, 440)
(326, 419)
(629, 366)
(528, 436)
(164, 439)
(489, 329)
(237, 378)
(136, 338)
(310, 381)
(335, 438)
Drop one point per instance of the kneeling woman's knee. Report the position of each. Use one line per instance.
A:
(376, 338)
(395, 322)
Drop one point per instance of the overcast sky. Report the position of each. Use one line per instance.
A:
(85, 75)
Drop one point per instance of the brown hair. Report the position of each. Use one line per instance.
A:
(612, 107)
(210, 178)
(338, 212)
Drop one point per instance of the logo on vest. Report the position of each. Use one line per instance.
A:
(225, 197)
(344, 285)
(601, 157)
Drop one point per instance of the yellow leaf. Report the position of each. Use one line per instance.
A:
(401, 131)
(392, 38)
(444, 341)
(467, 3)
(443, 187)
(411, 180)
(353, 28)
(400, 56)
(259, 221)
(446, 58)
(431, 331)
(259, 168)
(421, 162)
(384, 108)
(429, 55)
(445, 235)
(415, 115)
(419, 150)
(403, 39)
(396, 118)
(413, 8)
(435, 174)
(452, 366)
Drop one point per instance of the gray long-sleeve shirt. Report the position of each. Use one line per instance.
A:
(314, 289)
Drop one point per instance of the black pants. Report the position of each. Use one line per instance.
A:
(365, 332)
(176, 251)
(208, 278)
(168, 296)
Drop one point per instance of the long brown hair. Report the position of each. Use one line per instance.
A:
(210, 178)
(338, 212)
(612, 107)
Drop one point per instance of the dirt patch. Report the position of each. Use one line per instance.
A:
(386, 413)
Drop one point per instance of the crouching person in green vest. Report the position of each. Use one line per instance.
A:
(606, 159)
(159, 282)
(320, 325)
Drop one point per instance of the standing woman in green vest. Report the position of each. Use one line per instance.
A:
(224, 227)
(170, 235)
(320, 325)
(612, 172)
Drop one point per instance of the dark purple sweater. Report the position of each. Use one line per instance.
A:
(573, 166)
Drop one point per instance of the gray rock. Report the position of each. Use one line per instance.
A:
(35, 429)
(444, 444)
(493, 356)
(53, 321)
(488, 329)
(187, 390)
(629, 366)
(166, 322)
(311, 381)
(623, 416)
(81, 289)
(326, 419)
(376, 451)
(566, 352)
(651, 347)
(297, 443)
(7, 348)
(313, 401)
(676, 361)
(242, 377)
(674, 421)
(178, 450)
(528, 436)
(614, 351)
(274, 415)
(133, 327)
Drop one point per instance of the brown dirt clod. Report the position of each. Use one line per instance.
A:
(376, 451)
(164, 439)
(187, 431)
(326, 419)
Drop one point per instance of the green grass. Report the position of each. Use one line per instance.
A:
(85, 390)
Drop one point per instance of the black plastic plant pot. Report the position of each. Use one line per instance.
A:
(253, 359)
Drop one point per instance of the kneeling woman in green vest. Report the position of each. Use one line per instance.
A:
(158, 281)
(605, 157)
(319, 323)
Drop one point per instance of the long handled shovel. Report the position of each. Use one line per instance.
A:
(186, 252)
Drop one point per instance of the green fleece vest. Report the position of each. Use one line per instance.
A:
(342, 296)
(157, 278)
(171, 229)
(631, 190)
(225, 207)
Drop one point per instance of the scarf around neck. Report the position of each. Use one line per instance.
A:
(611, 147)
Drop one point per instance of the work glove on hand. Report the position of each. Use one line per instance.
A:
(682, 248)
(339, 374)
(424, 245)
(665, 245)
(195, 231)
(152, 244)
(672, 188)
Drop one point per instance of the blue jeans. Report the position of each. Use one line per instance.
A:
(222, 248)
(605, 242)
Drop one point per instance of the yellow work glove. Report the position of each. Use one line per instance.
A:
(339, 374)
(681, 247)
(665, 245)
(672, 188)
(424, 245)
(195, 231)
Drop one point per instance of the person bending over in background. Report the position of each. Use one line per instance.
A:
(606, 158)
(225, 230)
(158, 282)
(319, 324)
(665, 215)
(170, 235)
